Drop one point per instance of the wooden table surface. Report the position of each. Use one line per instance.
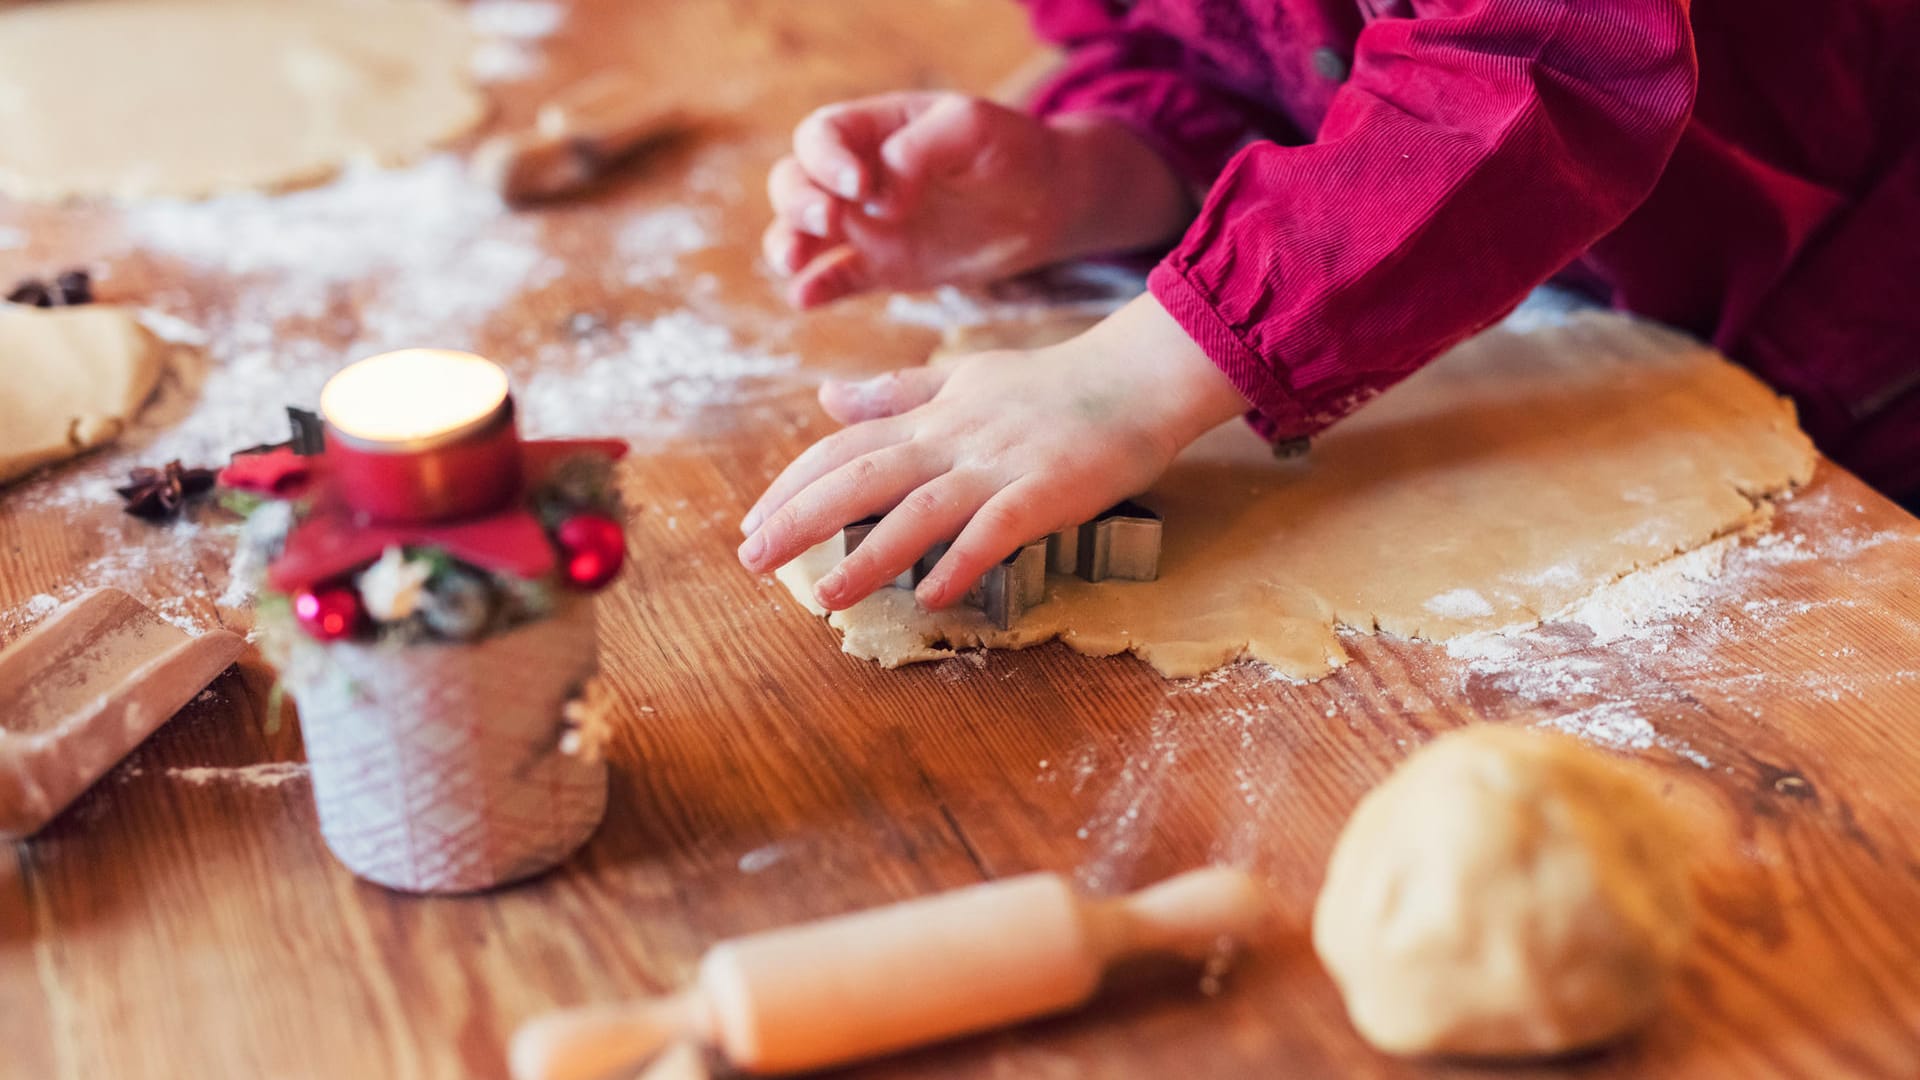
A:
(184, 917)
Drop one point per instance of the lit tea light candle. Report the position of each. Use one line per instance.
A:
(422, 435)
(414, 397)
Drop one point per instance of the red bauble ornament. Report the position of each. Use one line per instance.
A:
(595, 545)
(330, 612)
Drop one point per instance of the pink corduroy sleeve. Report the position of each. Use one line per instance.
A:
(1146, 81)
(1478, 147)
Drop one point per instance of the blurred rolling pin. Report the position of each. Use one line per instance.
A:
(81, 690)
(584, 134)
(860, 985)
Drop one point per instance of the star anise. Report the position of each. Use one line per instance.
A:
(68, 289)
(158, 494)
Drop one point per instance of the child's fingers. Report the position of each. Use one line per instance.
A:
(787, 251)
(883, 395)
(818, 460)
(1018, 514)
(801, 204)
(780, 246)
(948, 137)
(839, 272)
(838, 145)
(933, 512)
(860, 488)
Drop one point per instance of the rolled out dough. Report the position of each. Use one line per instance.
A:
(190, 97)
(1507, 480)
(75, 376)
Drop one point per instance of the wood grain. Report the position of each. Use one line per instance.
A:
(165, 927)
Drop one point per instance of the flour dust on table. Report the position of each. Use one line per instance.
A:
(1494, 489)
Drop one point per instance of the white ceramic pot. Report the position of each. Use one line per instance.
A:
(437, 767)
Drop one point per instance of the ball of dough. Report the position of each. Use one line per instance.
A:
(1506, 893)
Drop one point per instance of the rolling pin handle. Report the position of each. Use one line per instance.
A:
(602, 1041)
(1187, 915)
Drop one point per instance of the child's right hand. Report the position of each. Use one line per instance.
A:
(914, 189)
(991, 452)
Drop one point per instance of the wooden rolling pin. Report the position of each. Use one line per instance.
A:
(876, 981)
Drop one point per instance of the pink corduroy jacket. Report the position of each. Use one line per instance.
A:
(1384, 177)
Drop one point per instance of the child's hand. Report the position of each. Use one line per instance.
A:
(999, 449)
(914, 189)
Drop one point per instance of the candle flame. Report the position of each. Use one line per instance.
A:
(413, 394)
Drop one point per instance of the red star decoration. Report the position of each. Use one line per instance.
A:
(332, 540)
(278, 474)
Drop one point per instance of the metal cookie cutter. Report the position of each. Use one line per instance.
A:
(1123, 542)
(852, 536)
(1063, 551)
(1015, 584)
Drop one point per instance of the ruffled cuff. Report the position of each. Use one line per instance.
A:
(1276, 413)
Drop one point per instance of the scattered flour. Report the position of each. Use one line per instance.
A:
(1559, 574)
(1459, 604)
(522, 20)
(423, 219)
(156, 564)
(446, 256)
(1618, 724)
(1630, 606)
(384, 258)
(1779, 549)
(268, 774)
(509, 32)
(1125, 815)
(503, 62)
(628, 379)
(1630, 651)
(650, 244)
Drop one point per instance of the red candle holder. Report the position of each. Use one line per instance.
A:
(422, 435)
(421, 451)
(462, 473)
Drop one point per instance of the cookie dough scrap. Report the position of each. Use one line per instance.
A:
(130, 98)
(1524, 469)
(75, 378)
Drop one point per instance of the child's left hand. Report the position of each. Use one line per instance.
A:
(993, 452)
